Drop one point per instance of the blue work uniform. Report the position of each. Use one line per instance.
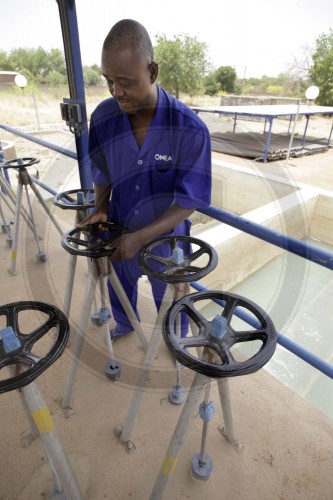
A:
(173, 166)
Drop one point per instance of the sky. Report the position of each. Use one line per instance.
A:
(257, 37)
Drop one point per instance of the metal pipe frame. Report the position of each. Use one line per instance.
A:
(145, 370)
(88, 299)
(63, 475)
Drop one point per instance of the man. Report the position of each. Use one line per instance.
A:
(150, 154)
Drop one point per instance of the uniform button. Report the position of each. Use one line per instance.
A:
(140, 162)
(137, 187)
(136, 212)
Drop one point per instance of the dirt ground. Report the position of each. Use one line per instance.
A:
(285, 450)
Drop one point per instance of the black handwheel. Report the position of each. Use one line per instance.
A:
(20, 162)
(220, 336)
(17, 347)
(100, 235)
(84, 198)
(177, 265)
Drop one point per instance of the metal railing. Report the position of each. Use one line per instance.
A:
(316, 255)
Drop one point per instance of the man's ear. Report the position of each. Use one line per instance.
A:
(153, 68)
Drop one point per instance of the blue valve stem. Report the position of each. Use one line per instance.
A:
(204, 427)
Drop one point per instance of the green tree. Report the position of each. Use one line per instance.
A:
(5, 63)
(211, 85)
(226, 78)
(55, 79)
(222, 79)
(38, 63)
(91, 76)
(321, 72)
(182, 63)
(56, 62)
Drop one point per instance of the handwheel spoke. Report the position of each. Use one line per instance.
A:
(41, 331)
(223, 353)
(78, 241)
(158, 258)
(197, 317)
(173, 270)
(192, 269)
(248, 336)
(12, 318)
(27, 358)
(197, 341)
(195, 255)
(229, 308)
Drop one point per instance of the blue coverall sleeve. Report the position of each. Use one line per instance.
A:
(99, 168)
(194, 170)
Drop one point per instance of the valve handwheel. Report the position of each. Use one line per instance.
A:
(176, 267)
(219, 336)
(17, 348)
(84, 199)
(20, 162)
(99, 236)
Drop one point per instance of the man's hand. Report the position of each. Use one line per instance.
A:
(93, 218)
(125, 247)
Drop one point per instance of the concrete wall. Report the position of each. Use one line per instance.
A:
(9, 150)
(241, 254)
(322, 219)
(240, 191)
(242, 100)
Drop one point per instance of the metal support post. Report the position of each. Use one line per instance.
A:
(46, 208)
(12, 264)
(125, 432)
(115, 282)
(80, 214)
(79, 338)
(202, 465)
(64, 477)
(305, 130)
(268, 140)
(170, 459)
(177, 394)
(228, 430)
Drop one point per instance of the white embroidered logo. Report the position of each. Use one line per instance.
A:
(163, 157)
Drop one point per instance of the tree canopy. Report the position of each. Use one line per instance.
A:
(42, 67)
(222, 79)
(322, 70)
(182, 63)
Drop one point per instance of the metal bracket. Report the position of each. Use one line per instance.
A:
(71, 113)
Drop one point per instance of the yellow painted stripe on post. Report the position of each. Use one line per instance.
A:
(14, 253)
(43, 420)
(169, 465)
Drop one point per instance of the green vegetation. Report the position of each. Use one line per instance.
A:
(44, 68)
(182, 63)
(322, 70)
(184, 68)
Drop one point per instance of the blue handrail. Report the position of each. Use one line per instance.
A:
(41, 142)
(309, 252)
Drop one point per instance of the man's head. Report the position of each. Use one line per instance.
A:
(128, 66)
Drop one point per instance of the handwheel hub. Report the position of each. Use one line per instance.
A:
(218, 328)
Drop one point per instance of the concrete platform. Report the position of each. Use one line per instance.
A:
(286, 451)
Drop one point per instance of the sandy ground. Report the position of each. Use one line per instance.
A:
(286, 444)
